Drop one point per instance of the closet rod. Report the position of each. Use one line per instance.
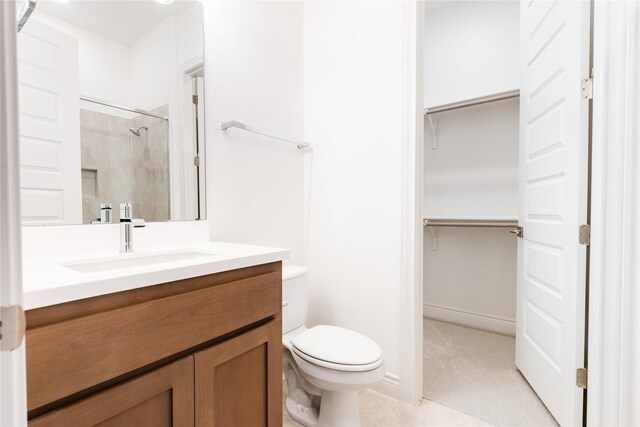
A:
(471, 102)
(470, 223)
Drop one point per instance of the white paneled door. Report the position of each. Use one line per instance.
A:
(49, 126)
(553, 189)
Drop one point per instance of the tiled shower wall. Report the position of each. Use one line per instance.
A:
(118, 166)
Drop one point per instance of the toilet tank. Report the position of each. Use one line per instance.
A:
(295, 294)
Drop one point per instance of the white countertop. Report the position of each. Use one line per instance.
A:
(47, 281)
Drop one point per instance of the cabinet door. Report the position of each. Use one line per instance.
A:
(239, 382)
(163, 397)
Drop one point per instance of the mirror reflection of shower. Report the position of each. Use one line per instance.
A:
(136, 131)
(125, 156)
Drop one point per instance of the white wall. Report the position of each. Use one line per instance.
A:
(253, 74)
(189, 33)
(474, 171)
(153, 66)
(473, 44)
(353, 105)
(471, 278)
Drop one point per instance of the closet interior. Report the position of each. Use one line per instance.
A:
(471, 95)
(470, 212)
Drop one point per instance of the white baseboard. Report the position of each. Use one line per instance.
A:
(486, 322)
(389, 386)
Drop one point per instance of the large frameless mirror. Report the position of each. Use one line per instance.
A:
(111, 111)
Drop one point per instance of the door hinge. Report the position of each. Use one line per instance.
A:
(581, 377)
(194, 99)
(196, 161)
(12, 327)
(584, 235)
(587, 88)
(518, 231)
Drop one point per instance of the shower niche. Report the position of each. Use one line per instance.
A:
(111, 111)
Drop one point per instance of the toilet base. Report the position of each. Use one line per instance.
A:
(303, 400)
(307, 416)
(339, 409)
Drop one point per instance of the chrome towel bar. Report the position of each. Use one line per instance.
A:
(233, 124)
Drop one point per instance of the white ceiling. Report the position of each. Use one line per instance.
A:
(121, 21)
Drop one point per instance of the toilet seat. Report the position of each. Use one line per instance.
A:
(337, 348)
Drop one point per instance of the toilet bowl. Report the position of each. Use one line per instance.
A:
(324, 366)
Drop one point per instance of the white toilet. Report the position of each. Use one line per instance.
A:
(325, 366)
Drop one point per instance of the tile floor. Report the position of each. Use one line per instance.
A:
(378, 410)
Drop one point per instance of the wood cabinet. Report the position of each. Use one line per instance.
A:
(239, 383)
(205, 351)
(163, 397)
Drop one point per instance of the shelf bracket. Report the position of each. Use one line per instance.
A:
(434, 237)
(433, 123)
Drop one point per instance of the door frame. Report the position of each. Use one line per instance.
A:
(614, 298)
(411, 292)
(13, 396)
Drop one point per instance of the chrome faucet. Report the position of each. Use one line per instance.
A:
(127, 224)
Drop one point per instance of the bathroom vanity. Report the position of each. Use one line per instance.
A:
(204, 350)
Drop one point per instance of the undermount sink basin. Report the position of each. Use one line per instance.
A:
(133, 260)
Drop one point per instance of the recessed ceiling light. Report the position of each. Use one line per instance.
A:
(164, 1)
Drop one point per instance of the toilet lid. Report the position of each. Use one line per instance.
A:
(337, 346)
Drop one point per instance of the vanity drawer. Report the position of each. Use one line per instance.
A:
(76, 354)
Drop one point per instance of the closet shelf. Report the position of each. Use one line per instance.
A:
(471, 102)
